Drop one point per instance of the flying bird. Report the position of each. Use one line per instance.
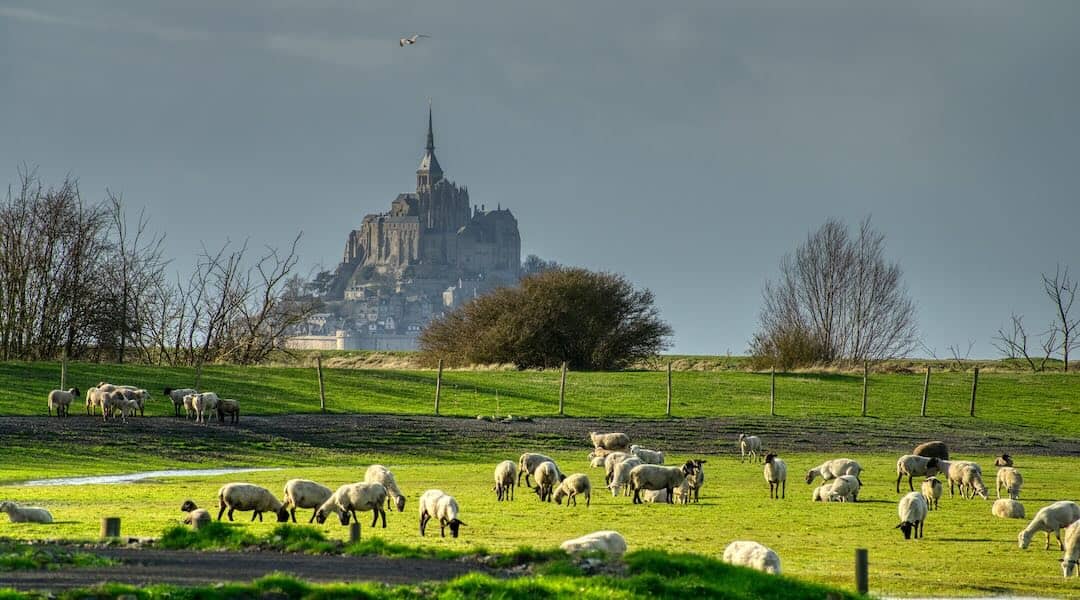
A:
(409, 41)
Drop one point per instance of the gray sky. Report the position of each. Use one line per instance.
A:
(686, 145)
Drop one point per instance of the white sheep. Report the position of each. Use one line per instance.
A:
(135, 397)
(189, 407)
(247, 496)
(1007, 508)
(177, 397)
(914, 465)
(304, 493)
(749, 445)
(954, 469)
(845, 488)
(93, 400)
(655, 477)
(573, 486)
(695, 478)
(753, 555)
(382, 475)
(775, 472)
(596, 462)
(1051, 519)
(932, 490)
(824, 493)
(1010, 479)
(620, 476)
(230, 407)
(528, 462)
(546, 476)
(613, 459)
(654, 496)
(112, 403)
(649, 457)
(912, 510)
(352, 497)
(831, 469)
(60, 401)
(195, 516)
(204, 404)
(25, 514)
(1072, 551)
(505, 473)
(971, 482)
(610, 543)
(610, 441)
(437, 504)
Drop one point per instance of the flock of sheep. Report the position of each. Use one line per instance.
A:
(123, 401)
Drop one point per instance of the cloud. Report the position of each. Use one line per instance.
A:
(345, 52)
(125, 24)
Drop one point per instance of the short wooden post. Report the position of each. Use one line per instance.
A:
(562, 389)
(354, 532)
(438, 387)
(862, 571)
(974, 386)
(110, 527)
(865, 379)
(322, 388)
(925, 391)
(772, 393)
(668, 389)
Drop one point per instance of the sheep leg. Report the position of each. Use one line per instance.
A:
(588, 500)
(254, 514)
(375, 517)
(783, 494)
(670, 495)
(442, 526)
(911, 487)
(383, 513)
(313, 513)
(637, 496)
(424, 518)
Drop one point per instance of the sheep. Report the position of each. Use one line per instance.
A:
(749, 445)
(60, 401)
(195, 516)
(228, 406)
(528, 462)
(1051, 519)
(611, 460)
(695, 477)
(1072, 551)
(831, 469)
(304, 493)
(1010, 479)
(439, 504)
(1003, 460)
(247, 496)
(649, 457)
(610, 441)
(573, 486)
(505, 473)
(136, 397)
(382, 475)
(177, 397)
(92, 400)
(966, 475)
(931, 490)
(189, 406)
(752, 555)
(353, 497)
(683, 492)
(610, 543)
(1007, 508)
(914, 465)
(654, 496)
(204, 403)
(25, 514)
(620, 476)
(655, 477)
(111, 402)
(546, 476)
(846, 488)
(912, 510)
(776, 475)
(823, 493)
(600, 452)
(596, 462)
(934, 449)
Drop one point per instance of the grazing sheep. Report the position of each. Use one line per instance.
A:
(776, 476)
(505, 473)
(546, 477)
(247, 496)
(228, 406)
(204, 404)
(620, 476)
(610, 441)
(613, 459)
(1072, 551)
(439, 504)
(528, 462)
(932, 490)
(752, 555)
(1007, 509)
(846, 488)
(655, 477)
(304, 493)
(353, 497)
(1003, 460)
(382, 475)
(934, 449)
(1010, 479)
(831, 469)
(573, 486)
(749, 445)
(177, 397)
(60, 401)
(914, 465)
(610, 543)
(695, 477)
(195, 516)
(25, 514)
(967, 476)
(1051, 519)
(912, 510)
(649, 457)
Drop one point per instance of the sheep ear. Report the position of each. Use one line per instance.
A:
(461, 523)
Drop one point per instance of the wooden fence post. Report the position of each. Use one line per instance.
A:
(669, 388)
(322, 388)
(925, 391)
(772, 393)
(438, 387)
(354, 532)
(562, 389)
(110, 527)
(974, 386)
(865, 378)
(862, 571)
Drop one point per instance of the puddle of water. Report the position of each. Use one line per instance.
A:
(129, 477)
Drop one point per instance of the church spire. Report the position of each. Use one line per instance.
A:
(430, 131)
(429, 172)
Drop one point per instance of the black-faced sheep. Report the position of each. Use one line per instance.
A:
(932, 490)
(573, 486)
(656, 477)
(437, 504)
(60, 401)
(353, 497)
(912, 510)
(695, 478)
(194, 516)
(914, 465)
(304, 493)
(247, 496)
(749, 445)
(382, 475)
(1003, 460)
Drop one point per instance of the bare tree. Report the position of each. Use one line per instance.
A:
(1062, 292)
(1014, 343)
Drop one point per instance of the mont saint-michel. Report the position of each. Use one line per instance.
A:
(432, 251)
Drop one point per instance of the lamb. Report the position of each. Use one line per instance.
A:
(439, 504)
(620, 476)
(528, 462)
(831, 469)
(749, 445)
(752, 555)
(60, 401)
(776, 476)
(25, 514)
(247, 496)
(189, 407)
(934, 449)
(505, 473)
(695, 478)
(135, 398)
(610, 543)
(352, 497)
(1051, 519)
(1007, 509)
(649, 457)
(573, 486)
(596, 461)
(93, 400)
(228, 406)
(912, 510)
(1003, 460)
(196, 517)
(611, 460)
(654, 496)
(610, 441)
(111, 402)
(655, 477)
(546, 477)
(845, 488)
(382, 475)
(304, 493)
(1072, 551)
(967, 476)
(204, 403)
(177, 397)
(932, 490)
(1011, 480)
(823, 493)
(914, 465)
